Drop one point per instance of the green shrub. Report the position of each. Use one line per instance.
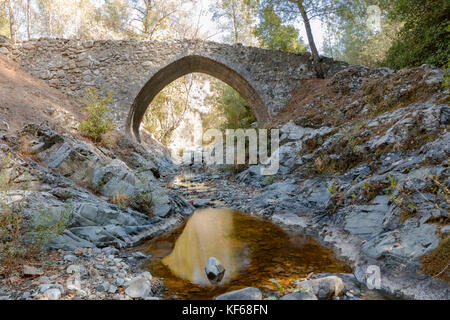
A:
(21, 239)
(425, 36)
(269, 179)
(279, 286)
(48, 224)
(96, 108)
(446, 78)
(11, 222)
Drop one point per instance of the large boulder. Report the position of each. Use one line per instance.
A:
(301, 295)
(324, 288)
(139, 287)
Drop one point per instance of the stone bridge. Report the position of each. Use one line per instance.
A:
(137, 70)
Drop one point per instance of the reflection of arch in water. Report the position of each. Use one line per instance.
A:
(186, 65)
(207, 234)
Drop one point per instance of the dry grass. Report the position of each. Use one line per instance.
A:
(436, 263)
(120, 199)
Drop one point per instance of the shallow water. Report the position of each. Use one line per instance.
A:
(251, 249)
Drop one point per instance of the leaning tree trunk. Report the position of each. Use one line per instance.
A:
(312, 45)
(28, 19)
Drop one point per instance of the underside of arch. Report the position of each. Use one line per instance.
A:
(186, 65)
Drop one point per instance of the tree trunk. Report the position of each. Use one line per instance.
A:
(235, 28)
(312, 45)
(28, 19)
(12, 24)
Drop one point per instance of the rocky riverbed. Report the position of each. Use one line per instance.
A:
(84, 273)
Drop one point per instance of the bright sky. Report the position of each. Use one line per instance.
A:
(209, 27)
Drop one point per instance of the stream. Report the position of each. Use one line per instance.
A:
(254, 252)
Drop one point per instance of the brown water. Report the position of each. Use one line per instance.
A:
(251, 249)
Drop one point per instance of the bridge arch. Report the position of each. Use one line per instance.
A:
(184, 66)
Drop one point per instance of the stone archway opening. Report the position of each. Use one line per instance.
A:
(182, 67)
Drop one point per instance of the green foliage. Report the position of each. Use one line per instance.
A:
(425, 36)
(114, 16)
(11, 222)
(11, 237)
(279, 286)
(235, 18)
(234, 111)
(334, 188)
(393, 186)
(19, 238)
(272, 34)
(167, 110)
(446, 78)
(49, 224)
(269, 179)
(4, 23)
(355, 37)
(96, 108)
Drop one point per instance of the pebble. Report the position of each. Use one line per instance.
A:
(120, 282)
(139, 255)
(70, 257)
(31, 271)
(112, 289)
(53, 294)
(78, 251)
(100, 288)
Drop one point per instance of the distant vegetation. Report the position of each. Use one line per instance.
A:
(230, 110)
(425, 35)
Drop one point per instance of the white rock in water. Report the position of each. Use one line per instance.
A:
(214, 270)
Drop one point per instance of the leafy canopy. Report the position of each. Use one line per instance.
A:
(273, 35)
(96, 108)
(425, 36)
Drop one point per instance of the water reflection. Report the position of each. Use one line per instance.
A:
(208, 233)
(251, 249)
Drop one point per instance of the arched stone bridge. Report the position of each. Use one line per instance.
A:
(137, 70)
